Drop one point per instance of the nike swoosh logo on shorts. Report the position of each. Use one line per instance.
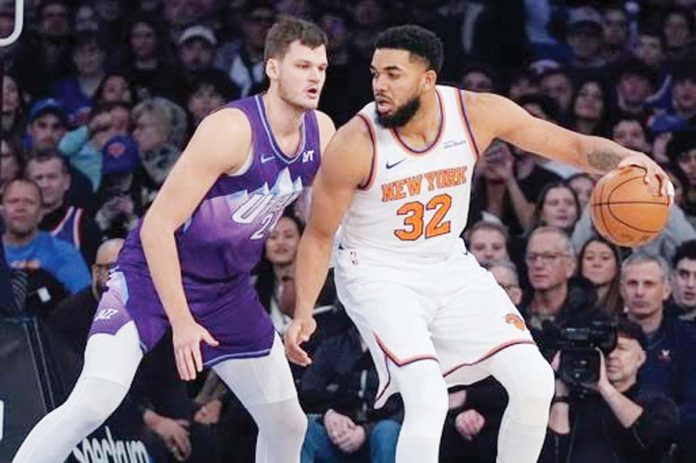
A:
(389, 166)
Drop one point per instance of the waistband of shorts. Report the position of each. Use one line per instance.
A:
(402, 255)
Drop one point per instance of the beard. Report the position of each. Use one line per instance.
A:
(401, 115)
(22, 230)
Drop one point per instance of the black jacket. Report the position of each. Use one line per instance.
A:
(597, 436)
(670, 367)
(6, 297)
(343, 377)
(579, 308)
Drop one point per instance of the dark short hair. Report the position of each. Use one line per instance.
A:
(547, 104)
(484, 69)
(286, 31)
(218, 81)
(562, 71)
(635, 67)
(630, 329)
(50, 156)
(682, 142)
(651, 30)
(626, 117)
(686, 250)
(416, 40)
(684, 69)
(88, 38)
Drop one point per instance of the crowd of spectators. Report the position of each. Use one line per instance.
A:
(100, 97)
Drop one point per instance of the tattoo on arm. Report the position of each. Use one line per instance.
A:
(604, 160)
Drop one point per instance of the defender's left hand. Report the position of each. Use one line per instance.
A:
(654, 174)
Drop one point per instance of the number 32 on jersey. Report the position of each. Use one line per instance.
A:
(424, 219)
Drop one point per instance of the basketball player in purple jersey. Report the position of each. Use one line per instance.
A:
(187, 265)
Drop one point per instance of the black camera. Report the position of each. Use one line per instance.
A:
(580, 361)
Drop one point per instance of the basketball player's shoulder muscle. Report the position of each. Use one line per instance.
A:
(348, 156)
(345, 165)
(220, 144)
(494, 116)
(326, 128)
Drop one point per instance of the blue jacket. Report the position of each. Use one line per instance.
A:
(670, 367)
(57, 257)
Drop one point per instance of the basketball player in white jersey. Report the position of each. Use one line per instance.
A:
(399, 176)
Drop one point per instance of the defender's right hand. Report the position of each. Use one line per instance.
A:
(299, 330)
(187, 338)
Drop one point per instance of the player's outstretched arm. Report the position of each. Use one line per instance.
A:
(345, 165)
(220, 144)
(517, 126)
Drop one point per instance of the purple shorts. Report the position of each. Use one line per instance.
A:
(230, 311)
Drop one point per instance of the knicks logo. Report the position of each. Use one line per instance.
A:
(516, 321)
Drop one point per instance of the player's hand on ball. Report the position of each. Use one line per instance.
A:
(298, 332)
(654, 174)
(187, 338)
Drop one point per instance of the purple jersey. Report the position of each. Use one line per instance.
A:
(225, 235)
(218, 246)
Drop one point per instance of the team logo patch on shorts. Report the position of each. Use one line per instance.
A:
(516, 320)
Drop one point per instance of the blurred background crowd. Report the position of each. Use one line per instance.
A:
(100, 97)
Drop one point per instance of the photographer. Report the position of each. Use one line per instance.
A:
(612, 420)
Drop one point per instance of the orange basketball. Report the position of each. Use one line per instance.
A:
(625, 211)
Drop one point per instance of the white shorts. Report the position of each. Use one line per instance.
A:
(448, 310)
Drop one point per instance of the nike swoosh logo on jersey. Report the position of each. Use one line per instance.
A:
(394, 164)
(264, 160)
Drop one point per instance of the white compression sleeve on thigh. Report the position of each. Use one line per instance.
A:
(259, 380)
(424, 393)
(529, 382)
(282, 428)
(265, 387)
(92, 400)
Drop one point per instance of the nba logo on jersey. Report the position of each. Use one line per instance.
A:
(308, 156)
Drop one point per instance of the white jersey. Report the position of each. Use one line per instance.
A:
(415, 202)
